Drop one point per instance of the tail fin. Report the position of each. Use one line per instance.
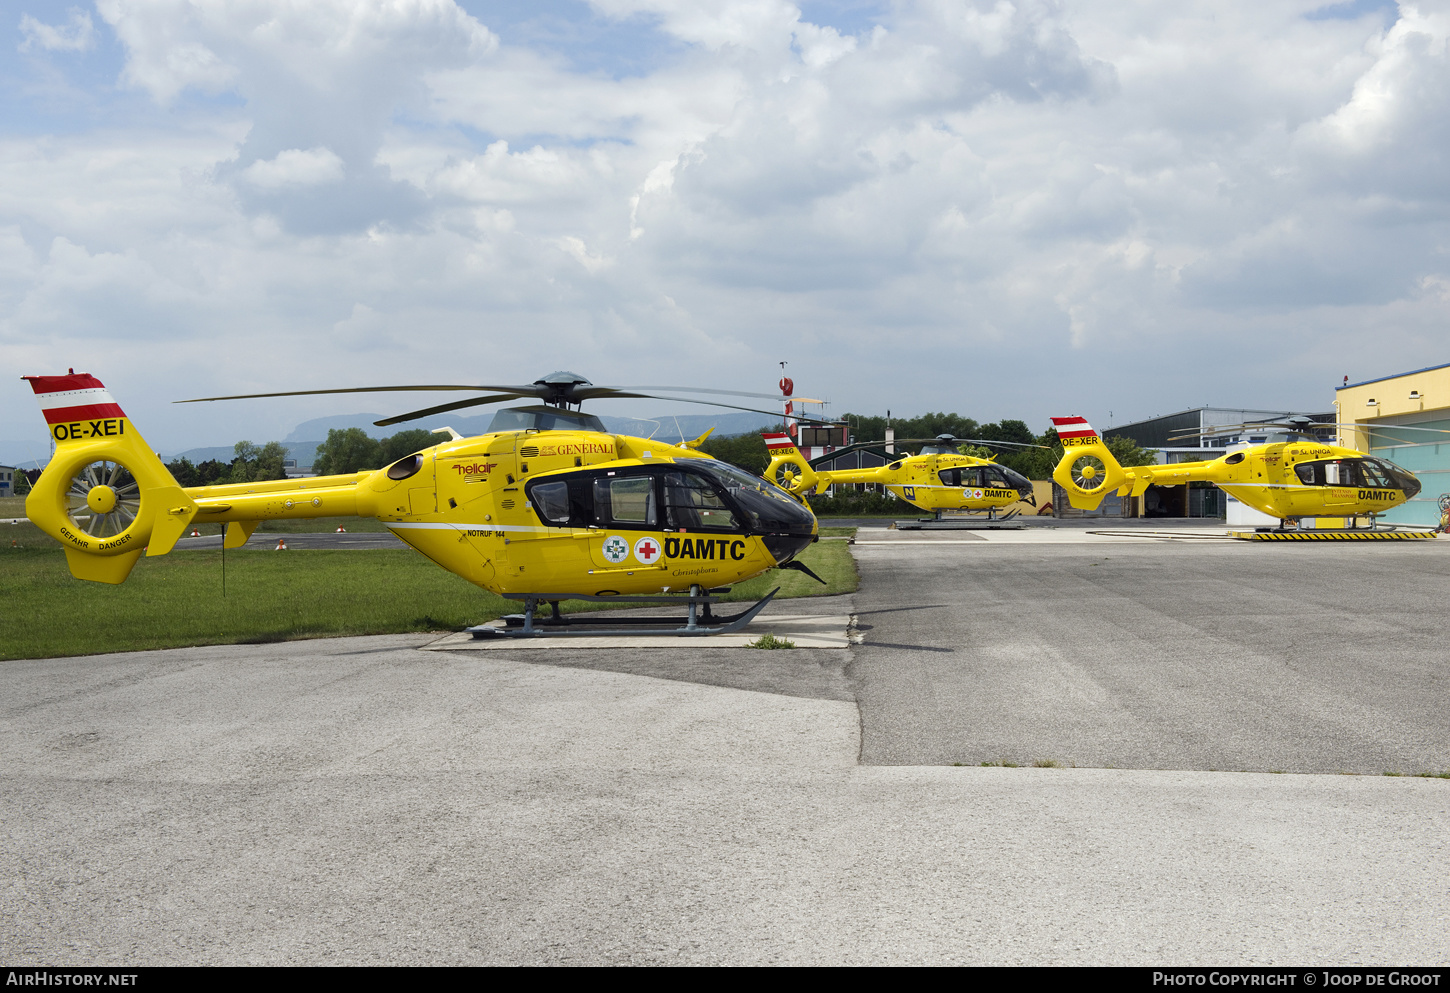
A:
(788, 468)
(105, 496)
(1088, 471)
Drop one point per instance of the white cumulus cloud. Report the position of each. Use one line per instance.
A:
(78, 34)
(295, 167)
(1005, 207)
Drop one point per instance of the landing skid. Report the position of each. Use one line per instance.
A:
(700, 621)
(940, 523)
(928, 524)
(1291, 530)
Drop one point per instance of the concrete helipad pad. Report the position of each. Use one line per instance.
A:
(804, 630)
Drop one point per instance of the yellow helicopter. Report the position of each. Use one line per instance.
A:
(545, 506)
(1291, 480)
(938, 478)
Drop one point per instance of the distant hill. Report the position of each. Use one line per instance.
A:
(319, 426)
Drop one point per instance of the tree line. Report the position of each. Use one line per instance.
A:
(249, 464)
(346, 451)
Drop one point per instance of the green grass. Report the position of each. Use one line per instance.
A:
(831, 560)
(25, 535)
(771, 642)
(176, 600)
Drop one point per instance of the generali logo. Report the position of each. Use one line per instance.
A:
(579, 448)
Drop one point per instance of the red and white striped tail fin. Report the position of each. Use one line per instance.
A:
(1073, 427)
(779, 445)
(78, 407)
(1075, 432)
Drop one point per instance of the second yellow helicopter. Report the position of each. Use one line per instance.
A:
(1288, 480)
(939, 478)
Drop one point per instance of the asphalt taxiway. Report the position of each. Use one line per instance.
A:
(361, 801)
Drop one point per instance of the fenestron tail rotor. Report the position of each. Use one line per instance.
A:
(103, 499)
(1088, 472)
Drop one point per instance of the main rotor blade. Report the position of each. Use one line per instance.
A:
(1218, 429)
(604, 393)
(965, 441)
(730, 406)
(1009, 444)
(530, 390)
(442, 408)
(723, 393)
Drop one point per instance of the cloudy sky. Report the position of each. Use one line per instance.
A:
(1005, 208)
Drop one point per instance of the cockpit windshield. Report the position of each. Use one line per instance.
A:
(998, 476)
(1360, 473)
(689, 495)
(770, 507)
(1397, 477)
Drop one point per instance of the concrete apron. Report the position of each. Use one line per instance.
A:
(357, 801)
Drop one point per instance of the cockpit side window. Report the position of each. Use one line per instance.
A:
(550, 500)
(692, 503)
(1335, 472)
(965, 476)
(625, 500)
(1338, 473)
(599, 501)
(1371, 475)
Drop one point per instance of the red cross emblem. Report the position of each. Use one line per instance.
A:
(647, 550)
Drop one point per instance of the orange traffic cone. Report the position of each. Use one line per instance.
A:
(195, 533)
(281, 545)
(340, 530)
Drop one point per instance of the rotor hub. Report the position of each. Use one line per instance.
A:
(561, 386)
(101, 499)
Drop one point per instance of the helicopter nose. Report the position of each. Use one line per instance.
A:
(1409, 484)
(1021, 484)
